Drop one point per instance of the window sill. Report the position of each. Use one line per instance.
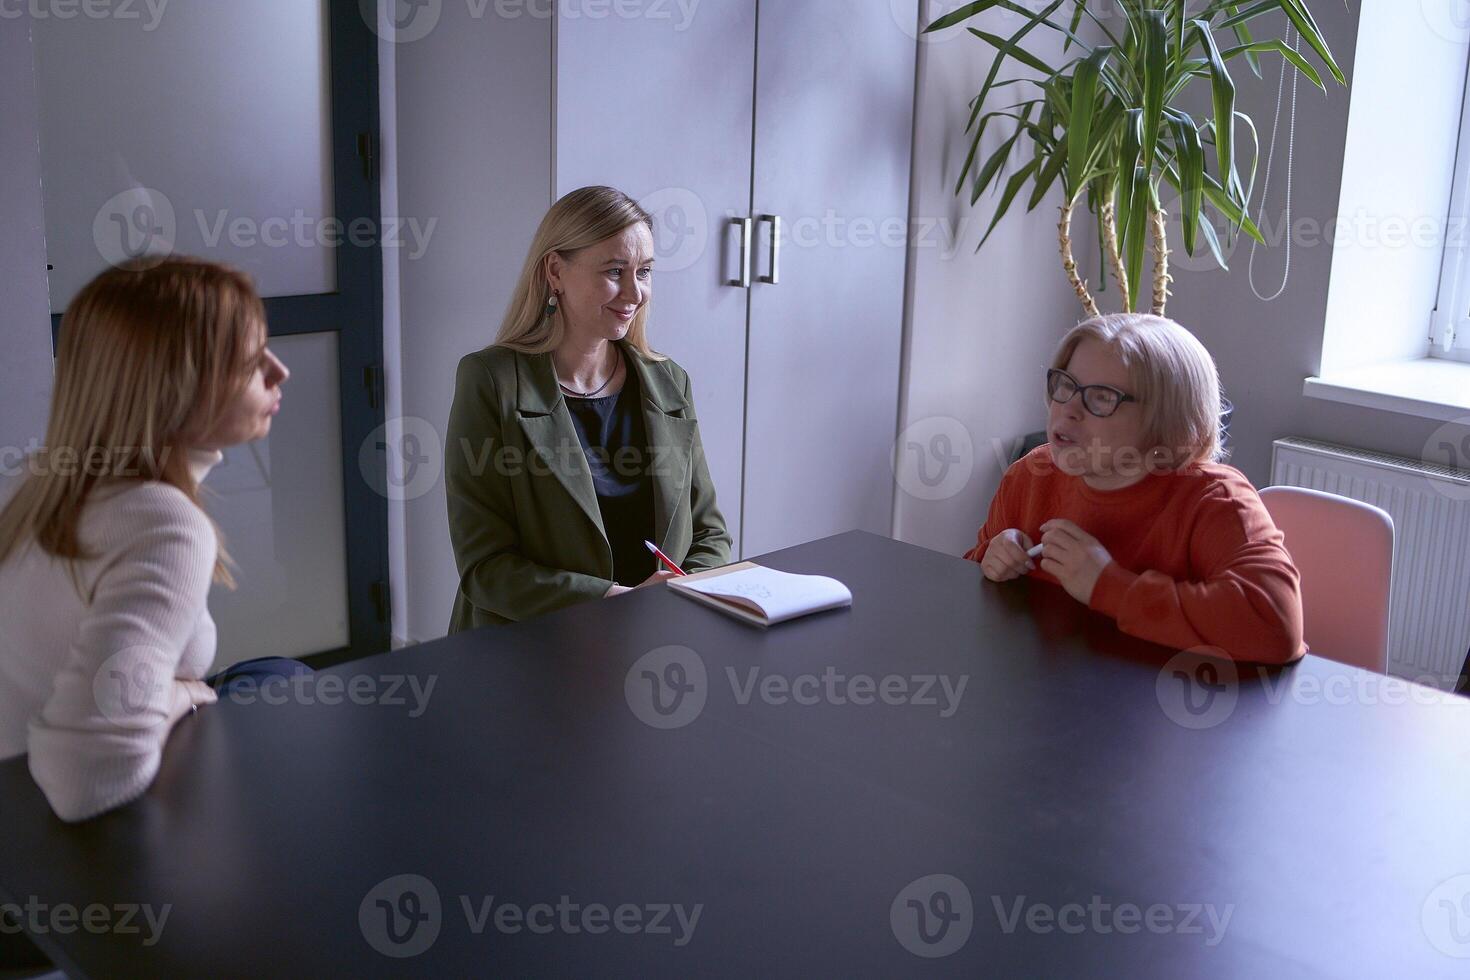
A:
(1430, 388)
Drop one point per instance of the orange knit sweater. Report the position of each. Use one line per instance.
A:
(1197, 561)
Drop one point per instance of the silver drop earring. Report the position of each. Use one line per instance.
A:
(551, 306)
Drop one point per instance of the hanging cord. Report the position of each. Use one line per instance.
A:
(1296, 45)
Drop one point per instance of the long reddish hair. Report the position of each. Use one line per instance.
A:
(151, 353)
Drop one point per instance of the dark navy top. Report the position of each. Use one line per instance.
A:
(615, 442)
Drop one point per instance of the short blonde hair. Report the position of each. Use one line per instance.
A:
(1173, 377)
(580, 219)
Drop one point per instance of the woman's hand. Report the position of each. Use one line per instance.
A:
(662, 575)
(1005, 556)
(187, 696)
(1076, 558)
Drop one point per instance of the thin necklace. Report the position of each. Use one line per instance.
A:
(593, 393)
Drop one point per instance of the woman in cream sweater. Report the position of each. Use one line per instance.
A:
(106, 557)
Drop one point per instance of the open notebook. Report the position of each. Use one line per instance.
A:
(762, 595)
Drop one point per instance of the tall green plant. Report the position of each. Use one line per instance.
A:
(1109, 127)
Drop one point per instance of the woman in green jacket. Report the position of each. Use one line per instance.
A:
(571, 442)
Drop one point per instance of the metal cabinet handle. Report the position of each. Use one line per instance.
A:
(774, 278)
(747, 231)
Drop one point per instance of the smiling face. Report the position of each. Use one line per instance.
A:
(247, 416)
(601, 288)
(1109, 453)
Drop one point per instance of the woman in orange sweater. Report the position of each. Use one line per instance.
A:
(1134, 514)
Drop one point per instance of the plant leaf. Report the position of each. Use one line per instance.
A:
(1014, 40)
(1282, 48)
(964, 13)
(1048, 176)
(1190, 156)
(1012, 188)
(1301, 19)
(993, 166)
(1155, 83)
(1243, 35)
(1079, 130)
(1135, 237)
(1008, 48)
(1223, 91)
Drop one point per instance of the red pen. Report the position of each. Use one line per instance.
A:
(664, 558)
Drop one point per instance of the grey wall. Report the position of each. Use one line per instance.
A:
(473, 151)
(25, 323)
(980, 327)
(1265, 350)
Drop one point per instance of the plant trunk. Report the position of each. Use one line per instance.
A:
(1109, 218)
(1079, 286)
(1161, 263)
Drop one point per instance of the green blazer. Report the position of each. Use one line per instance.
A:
(523, 514)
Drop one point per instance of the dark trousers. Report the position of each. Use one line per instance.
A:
(252, 673)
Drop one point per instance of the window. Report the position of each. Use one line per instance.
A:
(1450, 325)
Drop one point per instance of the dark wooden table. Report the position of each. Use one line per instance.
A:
(1085, 805)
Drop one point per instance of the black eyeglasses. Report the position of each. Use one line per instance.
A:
(1100, 400)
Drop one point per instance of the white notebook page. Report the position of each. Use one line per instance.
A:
(779, 595)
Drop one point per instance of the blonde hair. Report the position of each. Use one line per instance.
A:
(584, 217)
(150, 354)
(1173, 377)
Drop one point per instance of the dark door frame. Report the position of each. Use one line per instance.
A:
(355, 313)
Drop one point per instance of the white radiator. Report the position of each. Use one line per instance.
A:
(1429, 611)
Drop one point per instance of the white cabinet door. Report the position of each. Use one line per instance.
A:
(834, 108)
(658, 104)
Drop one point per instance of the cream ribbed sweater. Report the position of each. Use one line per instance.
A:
(87, 677)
